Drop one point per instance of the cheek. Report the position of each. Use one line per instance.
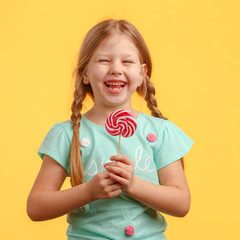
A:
(97, 73)
(134, 75)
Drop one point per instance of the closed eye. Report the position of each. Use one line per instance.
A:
(104, 60)
(128, 61)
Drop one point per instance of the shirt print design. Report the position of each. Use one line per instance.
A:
(141, 164)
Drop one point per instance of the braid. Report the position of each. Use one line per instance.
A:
(76, 161)
(150, 98)
(148, 91)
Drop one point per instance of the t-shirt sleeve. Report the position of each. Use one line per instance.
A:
(174, 144)
(57, 145)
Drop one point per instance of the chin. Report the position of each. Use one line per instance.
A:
(117, 104)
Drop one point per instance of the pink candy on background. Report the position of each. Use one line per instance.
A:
(121, 122)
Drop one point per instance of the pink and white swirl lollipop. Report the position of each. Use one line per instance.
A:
(122, 123)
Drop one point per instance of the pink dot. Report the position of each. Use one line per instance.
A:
(129, 230)
(151, 137)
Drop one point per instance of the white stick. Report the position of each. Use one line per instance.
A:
(119, 143)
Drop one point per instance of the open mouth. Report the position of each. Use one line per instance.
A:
(115, 86)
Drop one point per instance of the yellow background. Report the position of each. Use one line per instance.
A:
(195, 51)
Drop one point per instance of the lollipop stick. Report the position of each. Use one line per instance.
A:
(119, 143)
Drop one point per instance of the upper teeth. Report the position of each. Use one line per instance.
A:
(116, 84)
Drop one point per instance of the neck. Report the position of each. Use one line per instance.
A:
(98, 115)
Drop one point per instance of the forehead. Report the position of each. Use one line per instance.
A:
(117, 43)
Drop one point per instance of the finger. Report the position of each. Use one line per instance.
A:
(105, 178)
(114, 187)
(118, 171)
(119, 179)
(114, 193)
(104, 174)
(121, 158)
(109, 181)
(116, 164)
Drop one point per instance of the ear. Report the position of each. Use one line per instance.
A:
(85, 79)
(143, 73)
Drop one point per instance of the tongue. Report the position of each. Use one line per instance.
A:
(115, 86)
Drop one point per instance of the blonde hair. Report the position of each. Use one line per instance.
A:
(92, 40)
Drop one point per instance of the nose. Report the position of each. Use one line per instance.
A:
(115, 68)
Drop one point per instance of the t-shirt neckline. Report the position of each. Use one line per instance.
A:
(103, 127)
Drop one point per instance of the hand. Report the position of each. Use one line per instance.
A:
(122, 171)
(102, 186)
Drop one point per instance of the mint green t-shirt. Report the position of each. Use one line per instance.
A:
(107, 219)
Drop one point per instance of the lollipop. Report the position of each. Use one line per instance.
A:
(122, 123)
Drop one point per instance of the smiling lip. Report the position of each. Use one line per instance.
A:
(115, 86)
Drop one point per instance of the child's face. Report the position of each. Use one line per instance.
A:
(115, 72)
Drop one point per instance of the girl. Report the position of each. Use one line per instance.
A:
(112, 196)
